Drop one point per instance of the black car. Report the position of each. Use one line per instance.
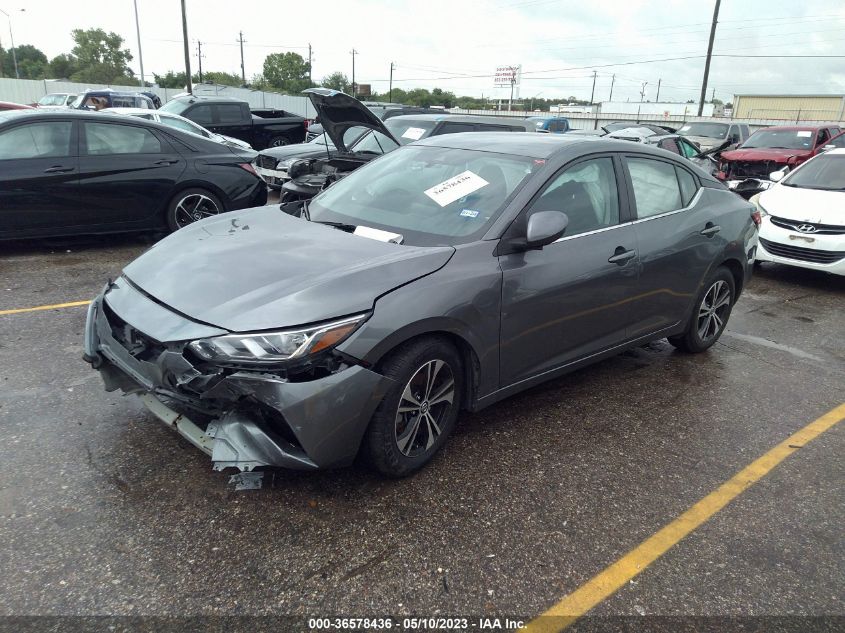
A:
(231, 117)
(65, 172)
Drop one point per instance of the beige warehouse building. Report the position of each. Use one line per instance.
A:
(790, 107)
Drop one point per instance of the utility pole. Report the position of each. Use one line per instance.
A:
(243, 72)
(390, 91)
(642, 93)
(12, 37)
(612, 81)
(657, 98)
(140, 54)
(593, 93)
(199, 58)
(354, 87)
(713, 96)
(188, 80)
(309, 64)
(709, 55)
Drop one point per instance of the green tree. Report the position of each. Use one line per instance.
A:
(287, 72)
(63, 66)
(221, 77)
(100, 57)
(32, 63)
(171, 80)
(336, 81)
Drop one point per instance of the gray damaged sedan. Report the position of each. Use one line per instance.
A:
(442, 277)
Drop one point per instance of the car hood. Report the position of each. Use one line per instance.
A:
(805, 205)
(765, 153)
(338, 112)
(262, 269)
(705, 142)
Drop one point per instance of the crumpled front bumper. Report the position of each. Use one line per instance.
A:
(257, 418)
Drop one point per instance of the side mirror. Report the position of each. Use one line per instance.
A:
(777, 176)
(544, 227)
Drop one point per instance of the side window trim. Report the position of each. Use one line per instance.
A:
(73, 146)
(82, 146)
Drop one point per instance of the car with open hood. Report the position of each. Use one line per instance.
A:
(709, 135)
(443, 276)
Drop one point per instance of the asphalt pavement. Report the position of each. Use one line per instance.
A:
(104, 511)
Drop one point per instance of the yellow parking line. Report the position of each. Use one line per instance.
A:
(614, 577)
(72, 304)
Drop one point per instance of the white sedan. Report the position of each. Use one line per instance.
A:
(180, 123)
(803, 216)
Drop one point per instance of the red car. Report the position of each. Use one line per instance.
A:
(8, 105)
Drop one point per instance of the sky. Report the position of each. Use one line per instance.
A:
(457, 45)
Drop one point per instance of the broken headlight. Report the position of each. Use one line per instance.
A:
(274, 347)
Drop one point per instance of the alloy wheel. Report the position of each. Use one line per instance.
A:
(193, 207)
(713, 310)
(424, 406)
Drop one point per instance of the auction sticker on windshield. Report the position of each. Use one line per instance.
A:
(804, 134)
(413, 133)
(456, 187)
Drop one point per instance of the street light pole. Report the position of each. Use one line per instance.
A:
(140, 53)
(12, 37)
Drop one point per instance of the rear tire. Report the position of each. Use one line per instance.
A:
(279, 141)
(419, 412)
(710, 316)
(190, 205)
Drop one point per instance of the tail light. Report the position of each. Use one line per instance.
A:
(249, 168)
(755, 215)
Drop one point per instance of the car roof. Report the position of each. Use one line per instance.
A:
(130, 110)
(797, 128)
(460, 118)
(206, 98)
(529, 144)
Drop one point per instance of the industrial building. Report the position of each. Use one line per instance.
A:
(790, 108)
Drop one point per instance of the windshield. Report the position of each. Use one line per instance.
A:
(825, 172)
(404, 130)
(52, 100)
(711, 130)
(780, 139)
(176, 106)
(429, 195)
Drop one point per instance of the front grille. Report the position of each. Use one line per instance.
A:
(802, 254)
(133, 340)
(818, 229)
(751, 169)
(267, 162)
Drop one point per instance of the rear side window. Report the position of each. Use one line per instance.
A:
(109, 138)
(37, 140)
(656, 188)
(229, 113)
(688, 185)
(200, 114)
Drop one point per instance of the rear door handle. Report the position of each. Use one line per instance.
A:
(620, 256)
(166, 161)
(58, 169)
(710, 229)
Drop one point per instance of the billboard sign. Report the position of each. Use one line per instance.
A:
(507, 75)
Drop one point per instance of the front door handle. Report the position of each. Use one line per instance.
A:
(710, 229)
(166, 161)
(58, 169)
(620, 255)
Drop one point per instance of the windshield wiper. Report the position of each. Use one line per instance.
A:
(337, 225)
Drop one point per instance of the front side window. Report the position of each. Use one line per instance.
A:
(200, 114)
(429, 195)
(110, 138)
(36, 140)
(688, 149)
(656, 188)
(586, 193)
(670, 145)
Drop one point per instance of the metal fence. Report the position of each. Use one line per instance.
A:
(31, 90)
(595, 120)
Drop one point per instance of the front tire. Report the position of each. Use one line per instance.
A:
(279, 141)
(419, 412)
(710, 316)
(191, 205)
